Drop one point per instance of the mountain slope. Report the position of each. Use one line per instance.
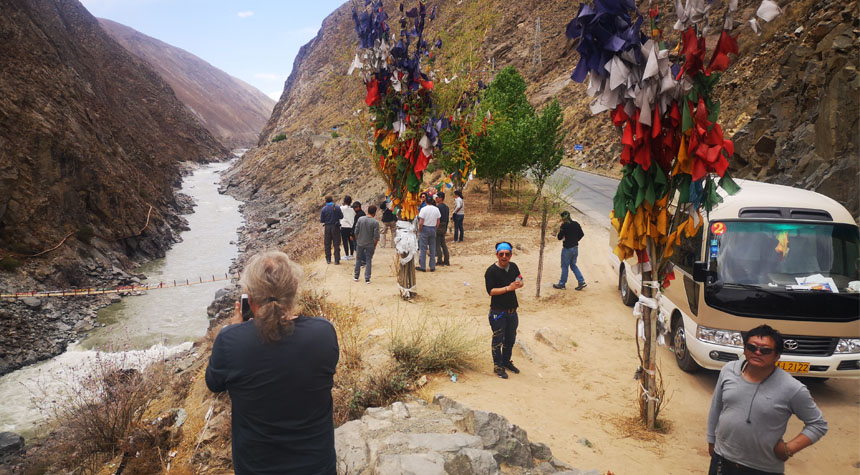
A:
(231, 109)
(91, 138)
(783, 86)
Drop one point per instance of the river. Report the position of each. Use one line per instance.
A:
(141, 329)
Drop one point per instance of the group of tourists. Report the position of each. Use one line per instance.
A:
(278, 367)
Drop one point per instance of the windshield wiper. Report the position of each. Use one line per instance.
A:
(762, 289)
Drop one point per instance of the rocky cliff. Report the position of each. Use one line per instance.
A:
(91, 138)
(790, 101)
(231, 109)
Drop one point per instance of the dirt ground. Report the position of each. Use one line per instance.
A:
(580, 399)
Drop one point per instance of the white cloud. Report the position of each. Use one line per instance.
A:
(270, 76)
(275, 95)
(245, 14)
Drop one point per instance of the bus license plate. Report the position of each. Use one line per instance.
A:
(793, 366)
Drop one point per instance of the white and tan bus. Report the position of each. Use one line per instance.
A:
(769, 254)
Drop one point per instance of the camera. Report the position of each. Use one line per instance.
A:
(246, 308)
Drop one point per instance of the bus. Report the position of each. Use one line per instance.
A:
(770, 254)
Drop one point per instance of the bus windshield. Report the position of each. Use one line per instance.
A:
(786, 255)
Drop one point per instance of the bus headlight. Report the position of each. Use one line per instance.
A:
(848, 345)
(720, 337)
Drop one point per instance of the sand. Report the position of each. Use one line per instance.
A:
(580, 399)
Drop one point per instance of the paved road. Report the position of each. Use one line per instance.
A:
(589, 193)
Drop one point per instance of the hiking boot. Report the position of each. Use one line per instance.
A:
(421, 269)
(510, 365)
(581, 286)
(500, 372)
(559, 286)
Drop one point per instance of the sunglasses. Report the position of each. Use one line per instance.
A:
(504, 254)
(761, 349)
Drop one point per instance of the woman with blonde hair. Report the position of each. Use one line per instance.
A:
(278, 368)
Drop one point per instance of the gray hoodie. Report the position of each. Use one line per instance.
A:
(748, 419)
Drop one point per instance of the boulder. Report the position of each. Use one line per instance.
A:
(10, 443)
(32, 302)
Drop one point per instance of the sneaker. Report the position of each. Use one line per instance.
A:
(355, 279)
(421, 269)
(367, 282)
(337, 263)
(433, 269)
(500, 372)
(559, 286)
(581, 286)
(510, 365)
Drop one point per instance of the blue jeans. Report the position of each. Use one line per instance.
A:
(568, 260)
(458, 227)
(427, 240)
(363, 256)
(504, 326)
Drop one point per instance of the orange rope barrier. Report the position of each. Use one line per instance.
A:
(123, 289)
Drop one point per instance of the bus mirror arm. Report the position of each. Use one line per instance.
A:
(702, 274)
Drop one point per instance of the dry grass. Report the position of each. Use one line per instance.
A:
(434, 343)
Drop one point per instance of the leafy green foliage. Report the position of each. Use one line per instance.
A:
(279, 137)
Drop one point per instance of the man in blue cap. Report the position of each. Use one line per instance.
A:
(503, 278)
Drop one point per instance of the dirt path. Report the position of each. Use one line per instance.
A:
(579, 398)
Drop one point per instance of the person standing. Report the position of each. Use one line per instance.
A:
(458, 216)
(330, 216)
(428, 220)
(442, 256)
(346, 224)
(389, 224)
(502, 279)
(572, 233)
(366, 238)
(752, 403)
(278, 368)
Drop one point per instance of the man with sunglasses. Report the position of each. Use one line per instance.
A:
(503, 278)
(753, 401)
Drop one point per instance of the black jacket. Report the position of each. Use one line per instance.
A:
(571, 232)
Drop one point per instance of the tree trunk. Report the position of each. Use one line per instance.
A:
(649, 318)
(542, 246)
(532, 204)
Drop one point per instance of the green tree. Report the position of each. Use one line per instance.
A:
(544, 148)
(500, 142)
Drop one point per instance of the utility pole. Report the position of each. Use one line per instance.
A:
(537, 58)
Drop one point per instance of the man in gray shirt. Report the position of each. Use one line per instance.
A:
(366, 237)
(752, 403)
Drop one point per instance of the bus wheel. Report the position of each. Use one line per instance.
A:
(682, 355)
(627, 295)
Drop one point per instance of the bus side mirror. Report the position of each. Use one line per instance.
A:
(700, 272)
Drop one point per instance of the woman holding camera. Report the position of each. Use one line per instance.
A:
(278, 368)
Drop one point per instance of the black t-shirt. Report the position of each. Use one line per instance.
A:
(388, 216)
(496, 277)
(281, 396)
(571, 232)
(358, 213)
(443, 210)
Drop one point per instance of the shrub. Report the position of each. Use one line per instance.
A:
(9, 264)
(101, 409)
(434, 344)
(279, 137)
(334, 134)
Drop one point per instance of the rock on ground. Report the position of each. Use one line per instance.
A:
(442, 438)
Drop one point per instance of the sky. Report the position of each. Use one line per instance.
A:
(253, 40)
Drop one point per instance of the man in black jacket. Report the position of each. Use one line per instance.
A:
(502, 279)
(572, 233)
(442, 256)
(330, 216)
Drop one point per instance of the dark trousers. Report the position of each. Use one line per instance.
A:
(348, 244)
(332, 236)
(458, 227)
(442, 256)
(504, 327)
(723, 466)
